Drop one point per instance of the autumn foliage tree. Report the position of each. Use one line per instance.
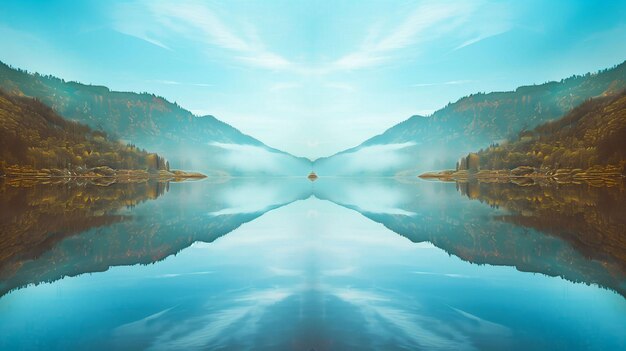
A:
(593, 133)
(34, 136)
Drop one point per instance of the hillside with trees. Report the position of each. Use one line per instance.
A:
(499, 115)
(592, 134)
(144, 118)
(33, 136)
(154, 123)
(479, 120)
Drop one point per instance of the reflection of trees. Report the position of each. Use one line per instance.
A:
(106, 238)
(34, 218)
(592, 219)
(575, 232)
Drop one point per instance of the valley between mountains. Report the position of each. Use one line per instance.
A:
(569, 130)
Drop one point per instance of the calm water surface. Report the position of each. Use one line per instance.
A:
(338, 264)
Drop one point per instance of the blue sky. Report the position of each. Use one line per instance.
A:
(313, 77)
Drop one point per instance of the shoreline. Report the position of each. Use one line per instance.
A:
(103, 174)
(596, 175)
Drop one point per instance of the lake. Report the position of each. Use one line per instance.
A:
(290, 264)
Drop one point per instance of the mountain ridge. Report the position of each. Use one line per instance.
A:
(151, 122)
(591, 134)
(33, 136)
(479, 120)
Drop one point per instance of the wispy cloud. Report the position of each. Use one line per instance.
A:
(449, 275)
(426, 22)
(491, 20)
(175, 275)
(165, 23)
(196, 22)
(146, 37)
(125, 21)
(465, 22)
(479, 38)
(208, 324)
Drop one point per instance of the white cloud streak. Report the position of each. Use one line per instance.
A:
(426, 22)
(481, 37)
(156, 21)
(196, 22)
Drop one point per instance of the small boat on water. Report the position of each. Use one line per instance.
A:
(312, 176)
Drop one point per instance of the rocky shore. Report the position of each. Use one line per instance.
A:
(101, 174)
(596, 175)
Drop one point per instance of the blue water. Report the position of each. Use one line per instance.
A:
(287, 264)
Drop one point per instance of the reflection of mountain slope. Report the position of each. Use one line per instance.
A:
(151, 122)
(575, 233)
(472, 232)
(33, 219)
(592, 219)
(425, 143)
(151, 232)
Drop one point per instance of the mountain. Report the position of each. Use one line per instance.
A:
(149, 121)
(33, 136)
(424, 143)
(592, 134)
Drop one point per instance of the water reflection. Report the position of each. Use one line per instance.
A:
(590, 218)
(36, 218)
(312, 266)
(572, 231)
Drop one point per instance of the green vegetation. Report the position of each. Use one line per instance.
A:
(33, 136)
(145, 119)
(480, 120)
(592, 134)
(487, 118)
